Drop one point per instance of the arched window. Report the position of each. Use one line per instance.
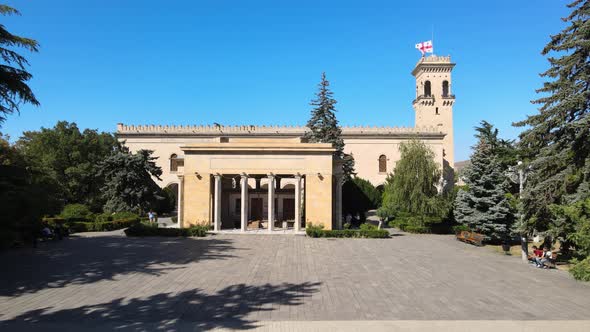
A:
(382, 163)
(173, 162)
(445, 88)
(427, 92)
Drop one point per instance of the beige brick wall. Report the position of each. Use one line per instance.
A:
(197, 200)
(318, 200)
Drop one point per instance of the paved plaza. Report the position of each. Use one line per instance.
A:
(234, 281)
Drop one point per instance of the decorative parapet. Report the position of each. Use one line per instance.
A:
(435, 59)
(434, 64)
(219, 130)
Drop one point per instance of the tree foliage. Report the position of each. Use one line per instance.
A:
(13, 74)
(412, 188)
(25, 194)
(323, 125)
(70, 158)
(359, 196)
(504, 150)
(557, 139)
(484, 206)
(129, 185)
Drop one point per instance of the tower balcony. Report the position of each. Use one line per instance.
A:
(424, 99)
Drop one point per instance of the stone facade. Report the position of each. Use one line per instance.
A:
(375, 150)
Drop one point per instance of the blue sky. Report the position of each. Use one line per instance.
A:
(258, 62)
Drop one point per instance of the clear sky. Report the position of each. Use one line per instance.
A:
(258, 62)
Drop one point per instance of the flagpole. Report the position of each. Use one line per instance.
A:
(432, 39)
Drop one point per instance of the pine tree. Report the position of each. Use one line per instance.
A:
(558, 137)
(483, 207)
(323, 125)
(13, 77)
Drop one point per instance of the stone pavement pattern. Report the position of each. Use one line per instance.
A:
(233, 281)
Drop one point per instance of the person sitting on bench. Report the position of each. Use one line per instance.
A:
(537, 253)
(46, 232)
(541, 261)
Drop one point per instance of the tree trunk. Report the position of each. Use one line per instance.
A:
(524, 248)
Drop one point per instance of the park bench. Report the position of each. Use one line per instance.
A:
(552, 262)
(471, 237)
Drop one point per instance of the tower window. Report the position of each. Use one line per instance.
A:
(445, 88)
(382, 163)
(427, 92)
(436, 110)
(173, 162)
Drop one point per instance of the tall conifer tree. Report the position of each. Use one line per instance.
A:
(323, 125)
(558, 137)
(13, 74)
(483, 207)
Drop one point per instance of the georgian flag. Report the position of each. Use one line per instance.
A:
(425, 47)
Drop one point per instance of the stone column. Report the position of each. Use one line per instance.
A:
(339, 183)
(217, 203)
(271, 202)
(244, 211)
(297, 225)
(179, 209)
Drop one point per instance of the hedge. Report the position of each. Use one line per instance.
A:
(145, 229)
(75, 226)
(317, 231)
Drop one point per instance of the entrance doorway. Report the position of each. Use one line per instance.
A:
(288, 209)
(256, 208)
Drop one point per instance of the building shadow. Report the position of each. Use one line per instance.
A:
(234, 307)
(85, 260)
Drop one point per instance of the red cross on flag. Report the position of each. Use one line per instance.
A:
(425, 47)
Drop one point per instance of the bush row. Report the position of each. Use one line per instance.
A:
(318, 231)
(152, 229)
(74, 226)
(581, 269)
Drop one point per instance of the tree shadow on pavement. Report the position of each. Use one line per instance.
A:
(234, 307)
(84, 260)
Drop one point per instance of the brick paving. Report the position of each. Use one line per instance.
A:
(233, 281)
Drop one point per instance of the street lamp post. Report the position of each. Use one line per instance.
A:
(520, 176)
(524, 247)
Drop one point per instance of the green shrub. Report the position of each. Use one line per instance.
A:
(581, 269)
(417, 229)
(367, 227)
(367, 232)
(151, 229)
(78, 212)
(103, 217)
(460, 228)
(87, 226)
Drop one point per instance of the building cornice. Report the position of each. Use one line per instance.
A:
(126, 131)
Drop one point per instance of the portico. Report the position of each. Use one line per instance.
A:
(259, 184)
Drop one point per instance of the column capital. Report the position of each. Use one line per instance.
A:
(298, 176)
(244, 176)
(270, 176)
(180, 176)
(217, 175)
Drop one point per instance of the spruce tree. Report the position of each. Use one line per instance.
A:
(483, 206)
(323, 125)
(558, 137)
(128, 182)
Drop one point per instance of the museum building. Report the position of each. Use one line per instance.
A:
(253, 178)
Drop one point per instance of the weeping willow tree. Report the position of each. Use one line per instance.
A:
(412, 187)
